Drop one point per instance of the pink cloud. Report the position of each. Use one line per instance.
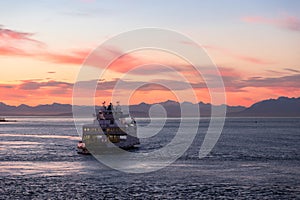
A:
(235, 55)
(9, 36)
(36, 91)
(16, 35)
(14, 43)
(287, 22)
(17, 43)
(245, 58)
(34, 85)
(76, 57)
(9, 50)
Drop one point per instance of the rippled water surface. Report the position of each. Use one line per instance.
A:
(254, 158)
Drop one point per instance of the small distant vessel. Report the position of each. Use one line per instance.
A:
(2, 119)
(111, 128)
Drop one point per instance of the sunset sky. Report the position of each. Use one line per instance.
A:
(43, 44)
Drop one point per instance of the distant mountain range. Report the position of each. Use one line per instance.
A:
(281, 107)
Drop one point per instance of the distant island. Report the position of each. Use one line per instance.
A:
(281, 107)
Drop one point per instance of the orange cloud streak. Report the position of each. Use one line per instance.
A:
(286, 22)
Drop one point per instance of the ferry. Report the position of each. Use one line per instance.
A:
(110, 128)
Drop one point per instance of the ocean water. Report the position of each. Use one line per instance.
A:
(255, 158)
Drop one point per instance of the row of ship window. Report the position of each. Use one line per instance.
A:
(99, 129)
(111, 137)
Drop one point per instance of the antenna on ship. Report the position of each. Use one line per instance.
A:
(103, 104)
(118, 107)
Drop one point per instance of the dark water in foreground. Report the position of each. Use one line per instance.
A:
(253, 159)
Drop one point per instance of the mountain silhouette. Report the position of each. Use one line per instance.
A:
(281, 107)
